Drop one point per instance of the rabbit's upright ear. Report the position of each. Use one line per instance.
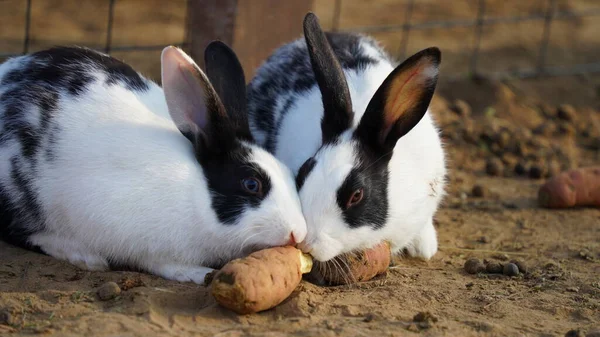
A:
(337, 105)
(194, 104)
(227, 77)
(400, 102)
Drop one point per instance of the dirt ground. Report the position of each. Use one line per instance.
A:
(497, 128)
(559, 292)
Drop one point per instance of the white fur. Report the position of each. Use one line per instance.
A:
(417, 173)
(126, 187)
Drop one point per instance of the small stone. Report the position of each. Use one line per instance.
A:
(461, 108)
(108, 291)
(350, 311)
(478, 191)
(574, 333)
(494, 268)
(369, 318)
(6, 318)
(566, 112)
(424, 316)
(510, 269)
(566, 130)
(521, 265)
(469, 285)
(493, 167)
(536, 171)
(474, 266)
(573, 289)
(520, 168)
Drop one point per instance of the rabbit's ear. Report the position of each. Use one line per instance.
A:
(194, 104)
(227, 78)
(338, 114)
(400, 102)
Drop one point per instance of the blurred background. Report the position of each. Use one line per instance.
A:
(502, 38)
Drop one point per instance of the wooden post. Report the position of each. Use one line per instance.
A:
(209, 20)
(263, 25)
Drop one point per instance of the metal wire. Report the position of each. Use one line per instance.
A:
(109, 25)
(546, 35)
(406, 29)
(27, 27)
(541, 69)
(337, 13)
(478, 32)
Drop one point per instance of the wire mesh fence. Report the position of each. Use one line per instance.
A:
(482, 19)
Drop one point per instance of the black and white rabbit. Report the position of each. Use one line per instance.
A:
(101, 167)
(356, 131)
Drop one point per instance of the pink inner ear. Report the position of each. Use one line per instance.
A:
(184, 90)
(196, 110)
(400, 92)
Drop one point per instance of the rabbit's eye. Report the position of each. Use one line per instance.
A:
(252, 185)
(355, 198)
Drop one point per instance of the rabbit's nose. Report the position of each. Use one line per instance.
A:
(292, 240)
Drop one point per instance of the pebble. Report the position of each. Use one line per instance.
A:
(566, 112)
(536, 171)
(493, 167)
(461, 107)
(6, 318)
(521, 265)
(474, 266)
(478, 191)
(520, 168)
(494, 268)
(108, 290)
(368, 318)
(574, 333)
(510, 269)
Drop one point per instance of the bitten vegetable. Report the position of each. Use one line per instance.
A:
(267, 277)
(577, 187)
(261, 280)
(356, 266)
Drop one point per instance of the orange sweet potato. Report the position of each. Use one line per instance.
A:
(261, 280)
(576, 187)
(354, 267)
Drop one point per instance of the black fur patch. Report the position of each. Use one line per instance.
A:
(329, 74)
(371, 174)
(304, 171)
(30, 100)
(289, 79)
(68, 68)
(12, 230)
(224, 174)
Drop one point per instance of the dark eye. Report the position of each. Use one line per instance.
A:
(252, 185)
(355, 198)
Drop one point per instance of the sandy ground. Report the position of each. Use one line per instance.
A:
(559, 292)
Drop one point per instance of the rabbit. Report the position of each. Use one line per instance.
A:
(102, 167)
(355, 129)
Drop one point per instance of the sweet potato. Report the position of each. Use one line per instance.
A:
(261, 280)
(354, 267)
(576, 187)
